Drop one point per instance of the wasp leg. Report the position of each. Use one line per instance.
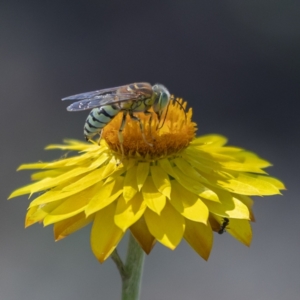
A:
(135, 118)
(90, 138)
(120, 133)
(100, 136)
(150, 123)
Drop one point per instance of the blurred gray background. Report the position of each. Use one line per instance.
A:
(237, 64)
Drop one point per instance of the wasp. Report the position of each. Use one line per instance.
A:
(223, 226)
(129, 99)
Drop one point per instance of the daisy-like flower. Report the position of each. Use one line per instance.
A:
(182, 187)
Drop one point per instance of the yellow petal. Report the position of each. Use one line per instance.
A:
(48, 173)
(167, 228)
(69, 207)
(215, 222)
(210, 156)
(93, 160)
(38, 213)
(142, 235)
(200, 237)
(242, 167)
(204, 166)
(229, 207)
(248, 162)
(57, 194)
(98, 161)
(188, 170)
(241, 230)
(91, 178)
(188, 204)
(111, 167)
(128, 212)
(142, 173)
(120, 172)
(161, 180)
(250, 184)
(130, 183)
(105, 195)
(195, 186)
(264, 184)
(74, 145)
(129, 163)
(48, 183)
(66, 227)
(274, 181)
(105, 235)
(238, 187)
(33, 166)
(167, 167)
(71, 161)
(210, 140)
(152, 197)
(248, 202)
(32, 217)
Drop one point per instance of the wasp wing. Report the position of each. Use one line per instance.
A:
(101, 100)
(114, 90)
(90, 95)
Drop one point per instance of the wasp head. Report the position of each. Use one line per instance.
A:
(162, 99)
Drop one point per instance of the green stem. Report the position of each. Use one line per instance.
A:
(131, 272)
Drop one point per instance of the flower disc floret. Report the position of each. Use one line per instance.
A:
(175, 135)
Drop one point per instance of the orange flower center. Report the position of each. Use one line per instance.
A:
(175, 135)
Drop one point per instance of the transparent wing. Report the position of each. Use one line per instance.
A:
(114, 90)
(90, 95)
(100, 100)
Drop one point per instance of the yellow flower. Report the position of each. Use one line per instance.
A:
(181, 187)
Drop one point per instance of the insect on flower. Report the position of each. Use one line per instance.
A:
(223, 226)
(129, 99)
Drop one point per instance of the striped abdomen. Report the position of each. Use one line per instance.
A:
(98, 118)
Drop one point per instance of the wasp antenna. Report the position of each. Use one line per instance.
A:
(159, 127)
(181, 106)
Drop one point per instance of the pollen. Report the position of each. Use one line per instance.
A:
(173, 134)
